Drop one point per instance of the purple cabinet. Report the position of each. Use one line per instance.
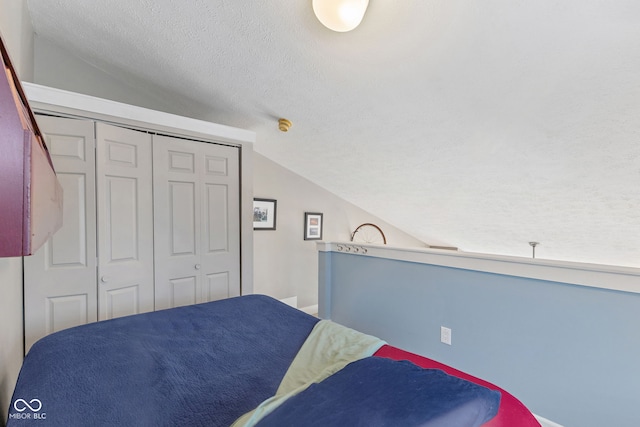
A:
(30, 194)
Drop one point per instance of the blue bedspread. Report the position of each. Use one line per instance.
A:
(379, 392)
(201, 365)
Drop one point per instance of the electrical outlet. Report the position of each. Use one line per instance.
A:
(445, 335)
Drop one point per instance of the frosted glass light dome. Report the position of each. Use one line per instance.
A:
(340, 15)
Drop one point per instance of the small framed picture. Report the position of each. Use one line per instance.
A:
(264, 214)
(312, 226)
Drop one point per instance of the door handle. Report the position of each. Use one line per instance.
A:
(197, 266)
(105, 279)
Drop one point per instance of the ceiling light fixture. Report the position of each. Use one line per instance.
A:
(340, 15)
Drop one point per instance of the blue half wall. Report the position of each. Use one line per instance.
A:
(570, 353)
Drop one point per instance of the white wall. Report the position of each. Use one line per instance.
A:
(17, 33)
(11, 342)
(285, 264)
(54, 66)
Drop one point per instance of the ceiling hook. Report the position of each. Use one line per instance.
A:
(533, 246)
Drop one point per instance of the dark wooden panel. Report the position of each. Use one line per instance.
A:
(30, 194)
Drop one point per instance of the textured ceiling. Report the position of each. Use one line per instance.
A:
(482, 125)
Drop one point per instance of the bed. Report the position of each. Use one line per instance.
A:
(220, 363)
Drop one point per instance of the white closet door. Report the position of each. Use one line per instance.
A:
(60, 279)
(125, 218)
(196, 221)
(220, 245)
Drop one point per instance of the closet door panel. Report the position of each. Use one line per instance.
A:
(125, 218)
(121, 301)
(68, 247)
(182, 220)
(121, 213)
(177, 219)
(196, 221)
(217, 286)
(216, 215)
(60, 278)
(66, 311)
(184, 291)
(221, 221)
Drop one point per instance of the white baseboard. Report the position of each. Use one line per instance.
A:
(312, 309)
(545, 422)
(292, 301)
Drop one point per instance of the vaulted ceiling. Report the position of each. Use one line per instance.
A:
(482, 125)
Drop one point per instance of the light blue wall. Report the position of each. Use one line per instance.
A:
(570, 353)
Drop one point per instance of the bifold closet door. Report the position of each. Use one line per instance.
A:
(196, 221)
(60, 278)
(125, 222)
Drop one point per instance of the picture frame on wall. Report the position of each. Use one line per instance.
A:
(264, 214)
(313, 226)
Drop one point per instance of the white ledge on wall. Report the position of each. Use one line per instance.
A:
(43, 96)
(626, 279)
